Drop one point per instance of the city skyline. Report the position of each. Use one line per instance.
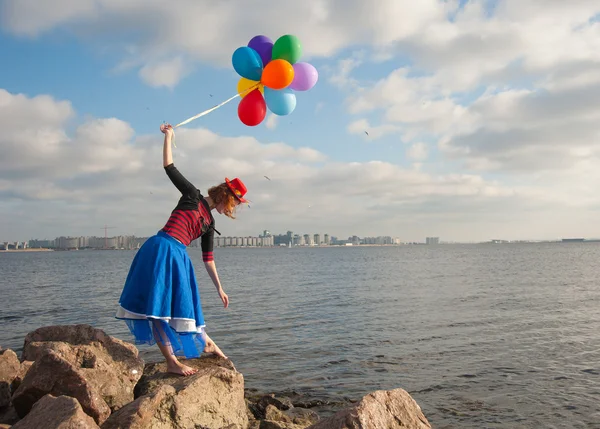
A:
(265, 238)
(427, 239)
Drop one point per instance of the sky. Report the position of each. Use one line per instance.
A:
(467, 120)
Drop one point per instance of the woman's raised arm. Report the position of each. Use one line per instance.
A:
(167, 153)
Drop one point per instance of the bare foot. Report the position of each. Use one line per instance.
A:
(211, 347)
(177, 367)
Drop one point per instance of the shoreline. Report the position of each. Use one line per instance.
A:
(26, 250)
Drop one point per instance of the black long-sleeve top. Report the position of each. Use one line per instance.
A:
(191, 218)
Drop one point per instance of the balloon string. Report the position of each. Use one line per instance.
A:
(206, 112)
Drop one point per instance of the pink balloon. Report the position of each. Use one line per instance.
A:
(305, 77)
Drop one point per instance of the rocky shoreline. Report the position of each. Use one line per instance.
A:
(77, 376)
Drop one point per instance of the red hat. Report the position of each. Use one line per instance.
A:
(238, 188)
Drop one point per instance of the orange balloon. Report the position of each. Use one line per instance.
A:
(277, 74)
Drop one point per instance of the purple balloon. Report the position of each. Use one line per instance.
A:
(264, 46)
(305, 77)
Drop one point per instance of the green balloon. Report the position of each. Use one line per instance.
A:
(287, 48)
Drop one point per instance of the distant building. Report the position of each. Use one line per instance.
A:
(37, 244)
(262, 241)
(432, 240)
(381, 240)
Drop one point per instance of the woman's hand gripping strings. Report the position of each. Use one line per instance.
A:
(167, 130)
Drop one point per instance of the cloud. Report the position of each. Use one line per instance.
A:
(102, 172)
(164, 73)
(271, 122)
(340, 74)
(31, 18)
(513, 89)
(543, 129)
(364, 128)
(468, 43)
(418, 151)
(144, 31)
(415, 104)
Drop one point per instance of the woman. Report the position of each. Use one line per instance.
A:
(160, 300)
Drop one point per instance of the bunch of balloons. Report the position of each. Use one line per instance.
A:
(270, 73)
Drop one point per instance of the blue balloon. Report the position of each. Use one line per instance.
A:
(247, 63)
(280, 101)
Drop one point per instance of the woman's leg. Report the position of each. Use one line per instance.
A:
(211, 347)
(173, 365)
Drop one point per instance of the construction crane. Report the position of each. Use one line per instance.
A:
(106, 228)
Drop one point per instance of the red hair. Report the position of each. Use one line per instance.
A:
(222, 194)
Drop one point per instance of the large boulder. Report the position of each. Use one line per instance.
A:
(155, 374)
(211, 398)
(51, 374)
(9, 370)
(110, 366)
(383, 409)
(56, 413)
(150, 411)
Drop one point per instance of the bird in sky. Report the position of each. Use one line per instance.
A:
(266, 178)
(366, 133)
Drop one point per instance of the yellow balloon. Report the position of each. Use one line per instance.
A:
(246, 86)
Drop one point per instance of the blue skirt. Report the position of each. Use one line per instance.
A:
(161, 301)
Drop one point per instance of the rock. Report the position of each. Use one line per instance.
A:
(292, 418)
(155, 374)
(9, 416)
(273, 414)
(269, 424)
(9, 370)
(302, 416)
(277, 410)
(111, 366)
(150, 411)
(60, 412)
(281, 403)
(383, 409)
(211, 398)
(254, 424)
(55, 375)
(25, 365)
(260, 403)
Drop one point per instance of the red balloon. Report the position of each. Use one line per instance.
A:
(252, 108)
